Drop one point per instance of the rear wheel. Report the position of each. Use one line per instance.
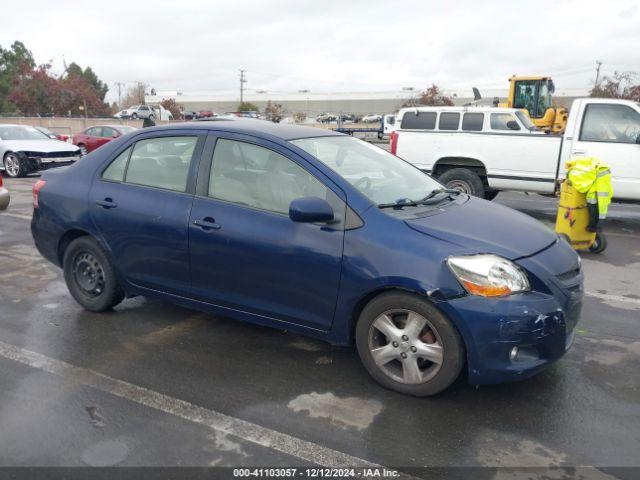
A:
(491, 194)
(464, 180)
(134, 116)
(407, 345)
(90, 276)
(14, 166)
(83, 149)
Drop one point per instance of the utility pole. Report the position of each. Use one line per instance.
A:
(243, 80)
(599, 64)
(119, 85)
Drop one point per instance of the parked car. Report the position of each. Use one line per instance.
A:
(93, 137)
(483, 150)
(189, 115)
(138, 111)
(318, 233)
(25, 149)
(372, 118)
(55, 136)
(204, 114)
(5, 197)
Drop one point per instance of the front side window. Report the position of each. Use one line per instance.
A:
(258, 177)
(94, 132)
(504, 121)
(418, 121)
(449, 121)
(473, 122)
(610, 123)
(108, 132)
(161, 162)
(380, 176)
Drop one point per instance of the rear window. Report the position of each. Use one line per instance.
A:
(473, 122)
(449, 121)
(418, 121)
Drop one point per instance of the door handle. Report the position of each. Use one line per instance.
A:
(578, 152)
(107, 203)
(207, 223)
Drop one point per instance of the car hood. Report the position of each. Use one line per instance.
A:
(43, 146)
(480, 226)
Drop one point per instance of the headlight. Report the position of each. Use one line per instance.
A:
(488, 275)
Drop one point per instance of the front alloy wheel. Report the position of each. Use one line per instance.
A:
(13, 165)
(405, 346)
(408, 345)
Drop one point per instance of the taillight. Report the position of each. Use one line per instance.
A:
(0, 180)
(36, 190)
(394, 142)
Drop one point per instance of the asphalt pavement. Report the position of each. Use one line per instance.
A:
(153, 384)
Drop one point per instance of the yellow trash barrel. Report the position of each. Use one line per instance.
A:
(573, 218)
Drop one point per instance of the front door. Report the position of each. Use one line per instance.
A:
(141, 204)
(246, 253)
(610, 132)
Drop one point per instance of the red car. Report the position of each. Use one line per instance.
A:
(94, 137)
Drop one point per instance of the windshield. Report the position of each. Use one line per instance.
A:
(526, 120)
(382, 177)
(20, 133)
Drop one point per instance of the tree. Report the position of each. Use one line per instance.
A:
(620, 85)
(171, 105)
(13, 62)
(134, 95)
(273, 112)
(33, 91)
(247, 107)
(433, 97)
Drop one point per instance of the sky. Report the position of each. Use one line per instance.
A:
(330, 46)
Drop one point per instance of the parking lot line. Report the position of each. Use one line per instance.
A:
(613, 298)
(250, 432)
(16, 215)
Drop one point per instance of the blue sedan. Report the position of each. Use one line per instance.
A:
(318, 233)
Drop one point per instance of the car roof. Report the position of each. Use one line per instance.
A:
(251, 126)
(469, 108)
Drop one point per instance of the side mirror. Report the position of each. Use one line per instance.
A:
(310, 210)
(513, 125)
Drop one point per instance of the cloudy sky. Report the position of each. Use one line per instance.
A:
(330, 46)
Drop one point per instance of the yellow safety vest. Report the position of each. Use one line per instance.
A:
(592, 177)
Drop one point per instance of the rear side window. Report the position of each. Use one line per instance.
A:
(161, 162)
(418, 121)
(502, 121)
(115, 171)
(472, 122)
(449, 121)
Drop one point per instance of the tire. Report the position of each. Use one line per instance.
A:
(14, 166)
(83, 149)
(83, 259)
(463, 179)
(491, 194)
(600, 243)
(438, 339)
(152, 117)
(134, 116)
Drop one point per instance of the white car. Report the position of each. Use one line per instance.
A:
(137, 111)
(25, 149)
(372, 118)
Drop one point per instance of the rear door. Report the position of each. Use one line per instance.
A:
(246, 253)
(93, 137)
(141, 202)
(609, 131)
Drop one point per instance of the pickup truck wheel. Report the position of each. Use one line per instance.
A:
(464, 180)
(408, 345)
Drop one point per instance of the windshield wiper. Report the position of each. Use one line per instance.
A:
(405, 202)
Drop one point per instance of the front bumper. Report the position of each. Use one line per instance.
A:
(541, 323)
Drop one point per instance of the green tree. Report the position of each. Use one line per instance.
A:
(247, 107)
(13, 62)
(90, 77)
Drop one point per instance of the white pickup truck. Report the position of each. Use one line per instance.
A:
(483, 150)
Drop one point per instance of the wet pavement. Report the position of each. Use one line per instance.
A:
(153, 384)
